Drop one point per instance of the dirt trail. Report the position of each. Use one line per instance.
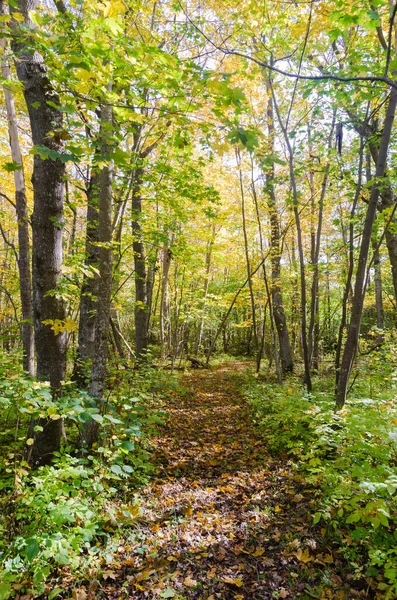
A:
(222, 519)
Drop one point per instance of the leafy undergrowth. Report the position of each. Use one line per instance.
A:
(350, 460)
(231, 513)
(64, 521)
(222, 519)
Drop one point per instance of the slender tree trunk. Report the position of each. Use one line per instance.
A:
(380, 313)
(350, 243)
(103, 307)
(47, 226)
(316, 243)
(25, 280)
(90, 287)
(141, 295)
(247, 258)
(208, 257)
(164, 304)
(268, 293)
(305, 347)
(350, 349)
(275, 248)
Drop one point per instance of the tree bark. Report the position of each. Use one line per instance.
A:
(90, 287)
(275, 249)
(141, 295)
(350, 349)
(25, 280)
(102, 317)
(300, 247)
(47, 226)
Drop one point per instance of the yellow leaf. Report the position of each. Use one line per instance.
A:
(303, 556)
(189, 582)
(113, 8)
(259, 552)
(30, 442)
(237, 582)
(18, 17)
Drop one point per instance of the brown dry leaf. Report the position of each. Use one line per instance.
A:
(283, 593)
(298, 498)
(109, 575)
(303, 556)
(189, 582)
(79, 594)
(238, 582)
(211, 574)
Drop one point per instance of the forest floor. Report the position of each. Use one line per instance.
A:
(222, 519)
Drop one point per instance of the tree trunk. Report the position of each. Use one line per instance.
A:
(90, 287)
(275, 249)
(141, 297)
(350, 349)
(25, 280)
(305, 347)
(315, 254)
(164, 303)
(350, 245)
(247, 259)
(102, 318)
(47, 226)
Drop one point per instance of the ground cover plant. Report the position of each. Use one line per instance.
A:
(348, 457)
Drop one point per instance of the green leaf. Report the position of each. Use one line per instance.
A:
(128, 446)
(54, 593)
(5, 591)
(168, 593)
(32, 548)
(116, 469)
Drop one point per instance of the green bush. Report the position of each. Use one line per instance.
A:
(349, 457)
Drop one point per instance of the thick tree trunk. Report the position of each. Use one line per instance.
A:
(103, 307)
(47, 226)
(350, 349)
(275, 250)
(25, 280)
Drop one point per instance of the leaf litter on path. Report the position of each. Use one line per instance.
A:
(223, 519)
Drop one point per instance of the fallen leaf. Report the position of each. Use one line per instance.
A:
(259, 552)
(189, 582)
(238, 582)
(303, 556)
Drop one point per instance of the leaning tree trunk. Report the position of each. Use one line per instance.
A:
(351, 344)
(25, 280)
(47, 226)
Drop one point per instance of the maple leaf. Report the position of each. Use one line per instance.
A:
(303, 556)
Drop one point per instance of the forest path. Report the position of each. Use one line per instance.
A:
(222, 519)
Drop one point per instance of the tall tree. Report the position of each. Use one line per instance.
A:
(47, 222)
